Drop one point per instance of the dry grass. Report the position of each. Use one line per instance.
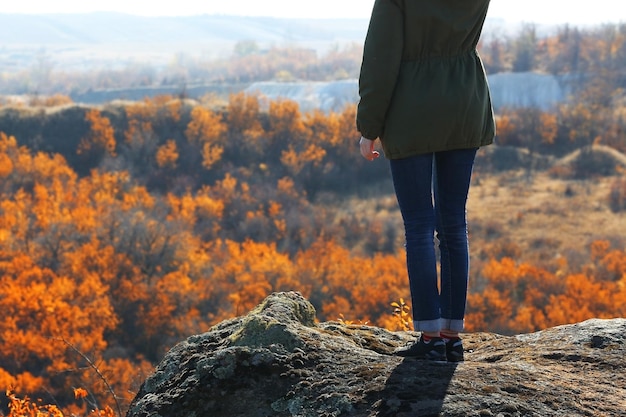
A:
(534, 220)
(546, 214)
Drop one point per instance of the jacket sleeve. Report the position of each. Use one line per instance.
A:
(382, 54)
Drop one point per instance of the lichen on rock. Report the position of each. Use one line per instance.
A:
(275, 321)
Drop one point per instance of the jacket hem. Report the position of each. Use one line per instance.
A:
(410, 153)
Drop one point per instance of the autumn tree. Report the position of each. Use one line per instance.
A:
(207, 131)
(565, 51)
(45, 309)
(167, 155)
(245, 130)
(100, 140)
(525, 49)
(285, 127)
(495, 53)
(518, 297)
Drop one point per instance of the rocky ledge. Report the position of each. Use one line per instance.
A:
(277, 361)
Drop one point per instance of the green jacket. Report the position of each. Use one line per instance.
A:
(422, 85)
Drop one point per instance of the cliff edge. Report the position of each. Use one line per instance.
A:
(277, 361)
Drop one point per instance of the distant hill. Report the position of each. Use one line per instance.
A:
(109, 27)
(90, 40)
(108, 40)
(39, 45)
(51, 30)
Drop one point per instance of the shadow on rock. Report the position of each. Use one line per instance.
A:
(414, 388)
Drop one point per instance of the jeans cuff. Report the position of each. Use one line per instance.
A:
(427, 325)
(454, 325)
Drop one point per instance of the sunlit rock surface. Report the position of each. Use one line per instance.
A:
(277, 361)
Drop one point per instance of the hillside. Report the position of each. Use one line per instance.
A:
(505, 195)
(142, 223)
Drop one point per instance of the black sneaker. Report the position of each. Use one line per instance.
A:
(454, 350)
(433, 350)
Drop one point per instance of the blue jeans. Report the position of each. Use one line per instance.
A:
(432, 193)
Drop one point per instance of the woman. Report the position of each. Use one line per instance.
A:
(424, 94)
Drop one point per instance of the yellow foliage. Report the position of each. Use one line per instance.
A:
(402, 313)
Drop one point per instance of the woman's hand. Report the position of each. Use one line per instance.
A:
(367, 149)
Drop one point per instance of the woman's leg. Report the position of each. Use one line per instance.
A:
(451, 182)
(412, 179)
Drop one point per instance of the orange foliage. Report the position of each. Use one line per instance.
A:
(45, 307)
(339, 282)
(167, 155)
(323, 128)
(211, 154)
(246, 273)
(121, 272)
(6, 165)
(23, 407)
(244, 125)
(205, 127)
(285, 120)
(295, 161)
(101, 136)
(522, 298)
(243, 113)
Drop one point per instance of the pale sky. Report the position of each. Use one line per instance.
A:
(536, 11)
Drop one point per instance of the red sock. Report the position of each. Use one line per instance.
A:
(426, 338)
(450, 335)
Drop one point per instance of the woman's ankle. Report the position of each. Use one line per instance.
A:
(449, 334)
(429, 335)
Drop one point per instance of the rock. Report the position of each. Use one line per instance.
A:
(310, 95)
(277, 361)
(529, 89)
(508, 90)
